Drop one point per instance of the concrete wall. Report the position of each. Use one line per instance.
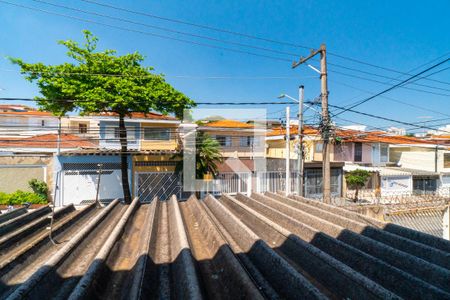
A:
(16, 171)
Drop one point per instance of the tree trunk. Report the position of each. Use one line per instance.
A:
(356, 194)
(124, 159)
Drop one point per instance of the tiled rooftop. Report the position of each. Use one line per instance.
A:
(139, 115)
(227, 124)
(48, 141)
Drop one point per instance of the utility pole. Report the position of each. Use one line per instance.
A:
(288, 151)
(300, 168)
(58, 142)
(325, 126)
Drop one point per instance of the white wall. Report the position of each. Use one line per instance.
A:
(396, 185)
(418, 160)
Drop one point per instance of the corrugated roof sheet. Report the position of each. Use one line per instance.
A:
(428, 220)
(258, 247)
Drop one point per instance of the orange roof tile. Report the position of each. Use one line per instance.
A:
(350, 135)
(11, 109)
(228, 124)
(27, 113)
(307, 130)
(384, 137)
(48, 141)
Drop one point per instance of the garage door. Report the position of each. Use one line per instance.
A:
(79, 182)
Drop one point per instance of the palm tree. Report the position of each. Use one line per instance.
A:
(207, 156)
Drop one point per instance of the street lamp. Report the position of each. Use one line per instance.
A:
(300, 140)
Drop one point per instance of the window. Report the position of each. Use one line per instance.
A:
(446, 160)
(224, 141)
(358, 152)
(112, 134)
(246, 141)
(82, 128)
(446, 180)
(319, 147)
(384, 153)
(313, 182)
(424, 184)
(156, 134)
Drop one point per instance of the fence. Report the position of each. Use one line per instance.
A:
(275, 181)
(233, 183)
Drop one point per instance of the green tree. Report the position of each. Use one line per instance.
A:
(207, 156)
(357, 179)
(102, 81)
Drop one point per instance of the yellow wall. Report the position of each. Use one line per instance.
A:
(277, 149)
(172, 144)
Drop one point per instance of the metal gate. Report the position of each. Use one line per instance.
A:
(275, 181)
(232, 183)
(149, 185)
(79, 182)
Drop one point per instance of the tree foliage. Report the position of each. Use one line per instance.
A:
(207, 156)
(102, 81)
(357, 179)
(39, 187)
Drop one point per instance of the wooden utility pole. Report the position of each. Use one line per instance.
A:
(288, 152)
(325, 126)
(300, 167)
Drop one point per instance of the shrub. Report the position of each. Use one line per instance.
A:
(4, 198)
(20, 197)
(39, 187)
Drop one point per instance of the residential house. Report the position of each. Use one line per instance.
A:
(82, 126)
(276, 155)
(238, 140)
(429, 159)
(152, 142)
(25, 158)
(23, 121)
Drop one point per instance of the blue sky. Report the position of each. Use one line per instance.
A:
(401, 35)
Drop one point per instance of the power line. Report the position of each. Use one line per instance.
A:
(383, 76)
(382, 118)
(188, 41)
(386, 83)
(217, 40)
(167, 76)
(197, 103)
(173, 20)
(392, 99)
(147, 33)
(167, 29)
(393, 87)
